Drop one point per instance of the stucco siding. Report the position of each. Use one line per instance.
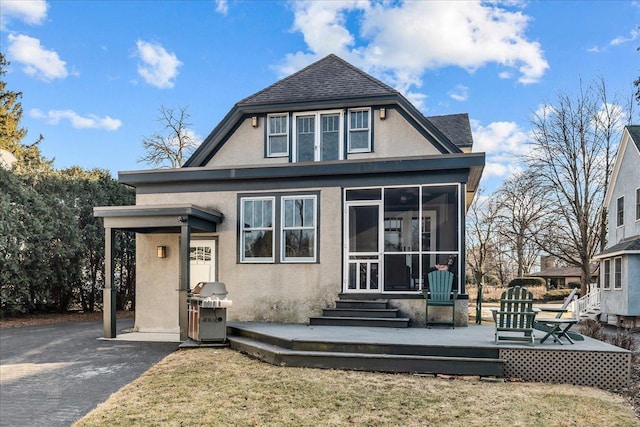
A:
(633, 284)
(156, 284)
(264, 292)
(392, 137)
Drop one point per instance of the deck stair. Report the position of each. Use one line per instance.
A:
(368, 313)
(378, 357)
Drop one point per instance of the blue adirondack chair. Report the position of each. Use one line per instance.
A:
(440, 294)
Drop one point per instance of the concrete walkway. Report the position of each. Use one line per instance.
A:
(53, 375)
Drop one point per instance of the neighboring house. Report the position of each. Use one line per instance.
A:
(327, 184)
(620, 261)
(564, 277)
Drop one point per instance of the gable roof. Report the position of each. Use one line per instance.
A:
(630, 138)
(630, 245)
(328, 83)
(456, 127)
(554, 272)
(329, 78)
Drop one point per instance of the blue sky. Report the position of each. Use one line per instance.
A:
(94, 73)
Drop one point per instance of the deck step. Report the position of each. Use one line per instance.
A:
(397, 322)
(277, 355)
(361, 312)
(362, 304)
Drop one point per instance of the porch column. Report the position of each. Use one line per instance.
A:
(109, 292)
(183, 314)
(462, 262)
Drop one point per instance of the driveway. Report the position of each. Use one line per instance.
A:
(53, 375)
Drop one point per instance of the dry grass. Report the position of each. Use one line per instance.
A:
(221, 387)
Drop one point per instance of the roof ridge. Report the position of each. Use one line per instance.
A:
(361, 72)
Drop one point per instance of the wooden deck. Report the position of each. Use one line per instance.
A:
(462, 351)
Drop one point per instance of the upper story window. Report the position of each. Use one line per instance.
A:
(637, 204)
(620, 212)
(359, 132)
(278, 135)
(317, 136)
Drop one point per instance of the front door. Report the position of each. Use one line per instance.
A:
(363, 247)
(202, 258)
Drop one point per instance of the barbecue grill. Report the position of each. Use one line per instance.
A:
(208, 312)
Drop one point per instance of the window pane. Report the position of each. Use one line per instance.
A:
(258, 244)
(277, 144)
(267, 213)
(248, 213)
(359, 141)
(330, 137)
(305, 138)
(299, 243)
(308, 213)
(364, 194)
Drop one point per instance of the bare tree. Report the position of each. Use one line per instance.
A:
(177, 142)
(480, 232)
(571, 146)
(521, 209)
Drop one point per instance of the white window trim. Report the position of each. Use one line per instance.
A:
(637, 203)
(283, 258)
(618, 224)
(606, 284)
(358, 150)
(265, 260)
(269, 134)
(617, 288)
(317, 149)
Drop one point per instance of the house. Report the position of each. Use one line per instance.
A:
(620, 260)
(561, 277)
(327, 184)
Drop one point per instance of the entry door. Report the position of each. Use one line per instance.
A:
(363, 244)
(202, 257)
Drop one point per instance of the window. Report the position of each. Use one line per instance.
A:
(359, 135)
(620, 212)
(256, 235)
(317, 136)
(637, 204)
(617, 278)
(298, 228)
(277, 135)
(606, 275)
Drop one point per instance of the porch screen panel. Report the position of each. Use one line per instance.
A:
(305, 138)
(363, 229)
(330, 137)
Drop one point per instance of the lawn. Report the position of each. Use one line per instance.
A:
(222, 387)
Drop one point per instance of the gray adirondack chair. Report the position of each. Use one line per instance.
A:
(439, 295)
(515, 316)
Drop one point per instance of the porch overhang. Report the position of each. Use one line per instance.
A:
(159, 218)
(179, 219)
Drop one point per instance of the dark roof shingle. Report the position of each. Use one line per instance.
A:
(456, 127)
(634, 131)
(328, 78)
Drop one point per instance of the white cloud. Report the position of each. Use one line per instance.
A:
(504, 143)
(158, 68)
(91, 121)
(32, 12)
(633, 35)
(36, 60)
(460, 93)
(401, 40)
(222, 6)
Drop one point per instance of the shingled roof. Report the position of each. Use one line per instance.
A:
(634, 131)
(328, 78)
(456, 127)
